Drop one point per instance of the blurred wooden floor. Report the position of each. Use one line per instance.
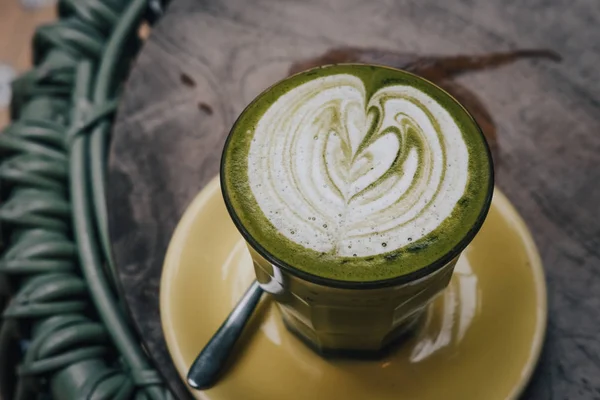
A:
(17, 25)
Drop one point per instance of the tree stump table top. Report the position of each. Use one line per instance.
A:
(206, 60)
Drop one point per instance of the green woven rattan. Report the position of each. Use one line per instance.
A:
(63, 324)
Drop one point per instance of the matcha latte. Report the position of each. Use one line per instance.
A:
(357, 173)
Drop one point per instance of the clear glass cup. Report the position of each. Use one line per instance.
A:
(348, 317)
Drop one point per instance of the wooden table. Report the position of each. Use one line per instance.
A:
(207, 59)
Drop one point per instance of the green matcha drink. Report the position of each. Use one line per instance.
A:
(357, 173)
(356, 188)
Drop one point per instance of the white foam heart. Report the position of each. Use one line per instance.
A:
(336, 172)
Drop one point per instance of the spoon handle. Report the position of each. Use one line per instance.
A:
(205, 370)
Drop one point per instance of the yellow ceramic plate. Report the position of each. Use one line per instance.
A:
(480, 340)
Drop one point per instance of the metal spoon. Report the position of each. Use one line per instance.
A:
(205, 370)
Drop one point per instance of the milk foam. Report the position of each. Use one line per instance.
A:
(339, 173)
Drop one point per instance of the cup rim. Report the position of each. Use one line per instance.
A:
(395, 281)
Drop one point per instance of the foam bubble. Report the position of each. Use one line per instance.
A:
(339, 173)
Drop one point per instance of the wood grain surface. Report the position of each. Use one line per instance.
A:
(206, 59)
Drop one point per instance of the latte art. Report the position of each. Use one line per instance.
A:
(342, 171)
(356, 173)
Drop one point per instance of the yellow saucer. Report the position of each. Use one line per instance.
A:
(480, 340)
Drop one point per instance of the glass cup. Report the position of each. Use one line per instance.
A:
(346, 317)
